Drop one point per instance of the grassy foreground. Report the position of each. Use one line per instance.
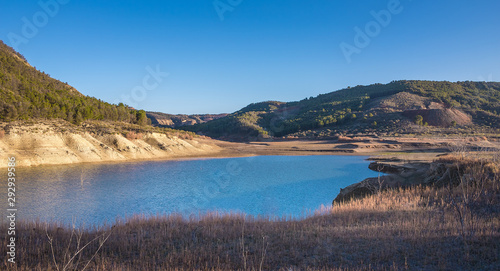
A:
(423, 228)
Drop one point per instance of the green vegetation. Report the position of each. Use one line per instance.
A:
(450, 227)
(419, 120)
(27, 93)
(356, 109)
(483, 96)
(129, 130)
(236, 125)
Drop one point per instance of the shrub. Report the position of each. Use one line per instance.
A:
(185, 136)
(131, 135)
(419, 120)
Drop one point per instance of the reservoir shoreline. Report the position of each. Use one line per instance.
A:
(56, 149)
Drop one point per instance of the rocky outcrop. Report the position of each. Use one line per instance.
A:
(399, 175)
(447, 170)
(389, 168)
(174, 121)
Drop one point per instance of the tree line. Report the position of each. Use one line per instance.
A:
(27, 93)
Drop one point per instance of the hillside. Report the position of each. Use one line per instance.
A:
(27, 93)
(175, 121)
(400, 107)
(46, 122)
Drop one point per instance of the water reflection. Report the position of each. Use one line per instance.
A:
(265, 185)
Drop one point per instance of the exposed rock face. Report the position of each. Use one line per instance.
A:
(41, 145)
(358, 190)
(163, 122)
(389, 168)
(174, 121)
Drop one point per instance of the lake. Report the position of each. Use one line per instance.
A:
(95, 194)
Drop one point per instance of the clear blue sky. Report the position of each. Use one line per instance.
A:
(253, 51)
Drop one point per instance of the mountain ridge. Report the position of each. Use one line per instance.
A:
(366, 109)
(398, 107)
(27, 93)
(178, 120)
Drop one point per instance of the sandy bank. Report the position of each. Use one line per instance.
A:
(44, 144)
(55, 143)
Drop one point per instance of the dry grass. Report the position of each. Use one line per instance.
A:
(449, 228)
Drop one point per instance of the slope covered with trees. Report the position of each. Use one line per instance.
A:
(27, 93)
(362, 109)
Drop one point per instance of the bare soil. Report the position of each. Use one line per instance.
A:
(404, 149)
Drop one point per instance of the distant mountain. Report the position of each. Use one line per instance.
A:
(397, 107)
(175, 121)
(27, 93)
(394, 108)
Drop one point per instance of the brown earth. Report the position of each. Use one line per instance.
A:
(416, 149)
(411, 105)
(440, 117)
(403, 101)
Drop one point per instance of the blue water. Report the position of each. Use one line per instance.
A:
(265, 185)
